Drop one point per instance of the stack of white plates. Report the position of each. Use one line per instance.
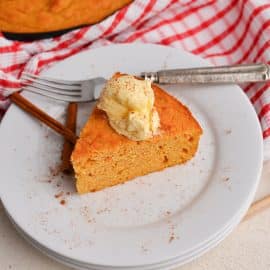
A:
(168, 264)
(156, 221)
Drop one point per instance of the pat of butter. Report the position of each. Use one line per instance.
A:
(129, 105)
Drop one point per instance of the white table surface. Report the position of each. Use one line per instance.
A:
(247, 247)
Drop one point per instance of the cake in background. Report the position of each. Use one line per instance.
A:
(24, 16)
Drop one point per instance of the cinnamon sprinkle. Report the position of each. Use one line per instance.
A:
(62, 202)
(171, 238)
(59, 194)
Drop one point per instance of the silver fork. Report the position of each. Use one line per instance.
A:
(89, 90)
(65, 90)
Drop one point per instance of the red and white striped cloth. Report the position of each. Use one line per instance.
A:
(224, 32)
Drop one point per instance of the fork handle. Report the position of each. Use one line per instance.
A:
(221, 74)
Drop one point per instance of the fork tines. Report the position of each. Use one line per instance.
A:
(54, 88)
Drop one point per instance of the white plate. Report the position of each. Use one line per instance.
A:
(165, 265)
(154, 218)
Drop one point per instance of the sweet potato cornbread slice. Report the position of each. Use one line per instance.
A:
(103, 158)
(24, 16)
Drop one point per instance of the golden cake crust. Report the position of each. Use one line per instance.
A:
(104, 158)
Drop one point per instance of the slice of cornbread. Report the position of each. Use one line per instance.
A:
(103, 158)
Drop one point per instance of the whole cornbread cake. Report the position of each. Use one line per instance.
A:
(23, 16)
(116, 146)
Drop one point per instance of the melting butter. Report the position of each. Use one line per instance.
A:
(129, 105)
